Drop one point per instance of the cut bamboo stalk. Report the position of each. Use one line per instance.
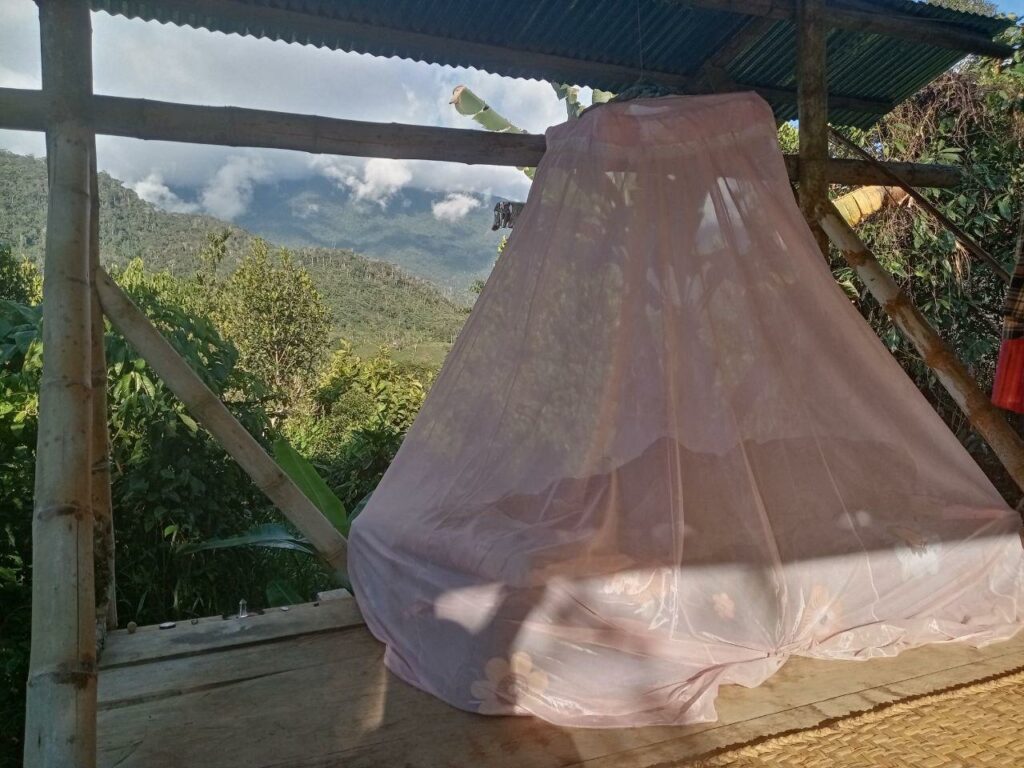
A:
(102, 503)
(60, 723)
(812, 108)
(968, 242)
(937, 355)
(864, 202)
(237, 127)
(209, 411)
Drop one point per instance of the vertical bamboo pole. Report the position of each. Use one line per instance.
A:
(812, 110)
(60, 728)
(937, 355)
(102, 505)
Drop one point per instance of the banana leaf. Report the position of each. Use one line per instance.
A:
(270, 535)
(305, 476)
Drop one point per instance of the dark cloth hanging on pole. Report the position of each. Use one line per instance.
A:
(505, 214)
(1008, 388)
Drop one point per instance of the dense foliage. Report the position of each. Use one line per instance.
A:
(972, 117)
(257, 334)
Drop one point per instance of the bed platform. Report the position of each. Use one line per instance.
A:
(307, 687)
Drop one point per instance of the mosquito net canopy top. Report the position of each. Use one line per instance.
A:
(666, 452)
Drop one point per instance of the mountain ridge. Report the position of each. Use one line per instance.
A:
(373, 302)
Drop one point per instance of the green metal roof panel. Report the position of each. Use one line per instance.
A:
(676, 39)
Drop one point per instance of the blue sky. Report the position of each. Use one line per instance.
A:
(1012, 6)
(133, 58)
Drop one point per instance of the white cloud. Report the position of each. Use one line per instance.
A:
(153, 190)
(154, 61)
(454, 207)
(377, 181)
(229, 192)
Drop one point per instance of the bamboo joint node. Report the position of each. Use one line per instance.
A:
(78, 511)
(79, 675)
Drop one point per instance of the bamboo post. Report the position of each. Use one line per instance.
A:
(209, 411)
(60, 726)
(812, 110)
(968, 242)
(102, 504)
(937, 355)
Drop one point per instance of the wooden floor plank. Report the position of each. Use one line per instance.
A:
(185, 639)
(322, 698)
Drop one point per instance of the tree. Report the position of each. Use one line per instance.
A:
(172, 483)
(19, 278)
(272, 312)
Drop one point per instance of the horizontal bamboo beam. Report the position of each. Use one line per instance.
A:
(937, 355)
(857, 173)
(209, 411)
(236, 127)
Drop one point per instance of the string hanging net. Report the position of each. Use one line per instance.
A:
(666, 453)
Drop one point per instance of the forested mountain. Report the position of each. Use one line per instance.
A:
(404, 230)
(372, 302)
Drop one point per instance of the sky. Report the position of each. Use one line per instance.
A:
(149, 60)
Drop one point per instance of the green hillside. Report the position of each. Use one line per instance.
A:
(402, 230)
(372, 302)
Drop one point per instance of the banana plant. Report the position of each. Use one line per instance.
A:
(470, 105)
(275, 536)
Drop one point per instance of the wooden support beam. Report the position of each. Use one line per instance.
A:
(937, 355)
(60, 723)
(870, 18)
(713, 74)
(969, 243)
(812, 88)
(102, 503)
(854, 173)
(208, 410)
(236, 127)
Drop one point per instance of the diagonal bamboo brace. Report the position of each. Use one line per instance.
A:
(937, 355)
(209, 411)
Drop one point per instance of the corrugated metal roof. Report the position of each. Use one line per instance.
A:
(583, 33)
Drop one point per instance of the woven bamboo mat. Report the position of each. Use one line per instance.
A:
(977, 724)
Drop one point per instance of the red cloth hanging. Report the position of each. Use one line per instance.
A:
(1008, 387)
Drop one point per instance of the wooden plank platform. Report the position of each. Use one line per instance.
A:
(307, 687)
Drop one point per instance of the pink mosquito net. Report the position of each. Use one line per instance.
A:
(666, 453)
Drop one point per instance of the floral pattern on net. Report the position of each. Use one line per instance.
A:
(506, 682)
(724, 605)
(822, 615)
